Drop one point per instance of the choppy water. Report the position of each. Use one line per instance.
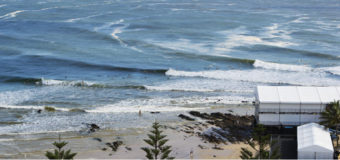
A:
(114, 57)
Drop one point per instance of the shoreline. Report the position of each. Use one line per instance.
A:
(182, 141)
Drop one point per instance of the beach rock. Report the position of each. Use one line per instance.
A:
(91, 127)
(189, 127)
(229, 127)
(155, 112)
(202, 147)
(198, 114)
(128, 148)
(97, 139)
(185, 117)
(104, 149)
(217, 148)
(217, 115)
(189, 132)
(215, 135)
(114, 145)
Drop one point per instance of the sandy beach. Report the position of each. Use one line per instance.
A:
(181, 134)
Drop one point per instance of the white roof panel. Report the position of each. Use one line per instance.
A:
(268, 94)
(297, 94)
(288, 94)
(309, 95)
(328, 94)
(314, 138)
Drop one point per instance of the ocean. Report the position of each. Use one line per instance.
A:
(112, 58)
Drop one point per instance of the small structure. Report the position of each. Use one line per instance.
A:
(314, 142)
(292, 105)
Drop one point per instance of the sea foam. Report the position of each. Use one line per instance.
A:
(240, 36)
(202, 85)
(261, 76)
(167, 104)
(332, 70)
(283, 67)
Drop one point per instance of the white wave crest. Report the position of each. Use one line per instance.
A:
(283, 67)
(2, 5)
(11, 14)
(169, 88)
(261, 76)
(51, 82)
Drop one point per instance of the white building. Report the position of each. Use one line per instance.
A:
(314, 142)
(292, 105)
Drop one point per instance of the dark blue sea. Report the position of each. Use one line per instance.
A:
(112, 58)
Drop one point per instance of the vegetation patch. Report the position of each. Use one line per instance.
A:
(77, 110)
(49, 109)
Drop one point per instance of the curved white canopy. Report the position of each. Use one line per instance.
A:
(297, 94)
(313, 137)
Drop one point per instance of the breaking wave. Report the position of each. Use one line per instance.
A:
(284, 67)
(261, 76)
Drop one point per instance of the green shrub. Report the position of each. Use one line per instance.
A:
(49, 109)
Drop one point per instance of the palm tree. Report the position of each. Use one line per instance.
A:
(260, 143)
(330, 118)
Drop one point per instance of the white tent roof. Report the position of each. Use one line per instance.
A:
(297, 94)
(313, 137)
(268, 94)
(309, 94)
(288, 94)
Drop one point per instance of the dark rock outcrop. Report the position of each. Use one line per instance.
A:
(185, 117)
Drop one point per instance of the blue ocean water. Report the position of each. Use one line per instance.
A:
(113, 58)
